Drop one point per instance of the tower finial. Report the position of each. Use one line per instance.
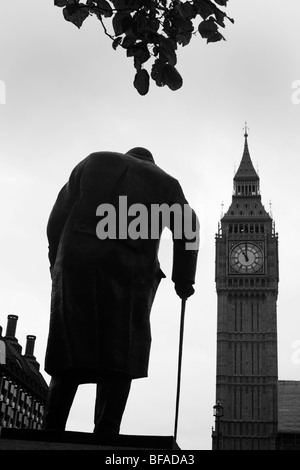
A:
(246, 129)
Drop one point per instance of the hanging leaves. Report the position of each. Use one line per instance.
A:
(166, 74)
(209, 30)
(152, 30)
(141, 81)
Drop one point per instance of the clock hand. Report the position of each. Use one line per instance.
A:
(245, 253)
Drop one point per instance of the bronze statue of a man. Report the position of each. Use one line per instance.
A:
(104, 236)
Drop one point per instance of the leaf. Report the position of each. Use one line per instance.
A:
(116, 42)
(167, 48)
(140, 21)
(208, 28)
(104, 8)
(141, 81)
(166, 74)
(185, 30)
(140, 52)
(220, 15)
(205, 9)
(223, 3)
(60, 3)
(184, 38)
(76, 14)
(187, 9)
(155, 50)
(216, 37)
(128, 42)
(172, 77)
(157, 72)
(121, 23)
(134, 5)
(119, 4)
(154, 24)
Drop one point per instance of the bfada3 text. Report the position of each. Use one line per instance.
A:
(151, 459)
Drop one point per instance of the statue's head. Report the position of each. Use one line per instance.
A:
(141, 153)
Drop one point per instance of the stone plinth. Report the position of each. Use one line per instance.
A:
(26, 439)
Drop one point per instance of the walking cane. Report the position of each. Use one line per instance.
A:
(183, 301)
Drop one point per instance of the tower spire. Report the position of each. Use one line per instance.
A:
(246, 128)
(246, 170)
(246, 179)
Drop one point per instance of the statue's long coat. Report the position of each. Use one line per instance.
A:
(103, 290)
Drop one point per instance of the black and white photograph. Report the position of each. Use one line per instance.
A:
(150, 219)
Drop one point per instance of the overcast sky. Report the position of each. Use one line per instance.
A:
(67, 94)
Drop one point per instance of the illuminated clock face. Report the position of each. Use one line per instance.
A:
(246, 258)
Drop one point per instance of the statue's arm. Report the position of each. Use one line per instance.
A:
(185, 248)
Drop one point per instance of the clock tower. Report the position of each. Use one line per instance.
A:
(247, 288)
